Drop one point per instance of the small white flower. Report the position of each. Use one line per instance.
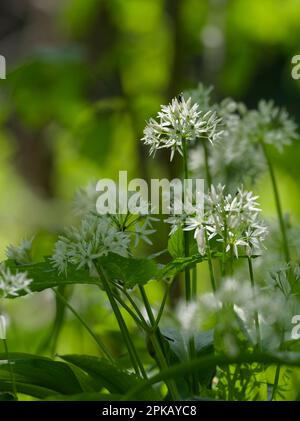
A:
(20, 254)
(178, 122)
(11, 284)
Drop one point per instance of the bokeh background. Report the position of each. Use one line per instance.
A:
(83, 77)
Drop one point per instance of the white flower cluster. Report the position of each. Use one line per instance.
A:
(11, 284)
(234, 305)
(232, 220)
(178, 122)
(95, 237)
(20, 254)
(271, 124)
(99, 234)
(243, 130)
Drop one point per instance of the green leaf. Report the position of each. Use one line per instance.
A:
(26, 389)
(45, 276)
(176, 244)
(38, 375)
(106, 374)
(129, 270)
(94, 396)
(206, 363)
(178, 265)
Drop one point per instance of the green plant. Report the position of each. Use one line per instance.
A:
(229, 343)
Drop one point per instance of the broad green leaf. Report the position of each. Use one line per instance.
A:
(40, 372)
(45, 276)
(129, 270)
(106, 374)
(178, 265)
(94, 396)
(25, 388)
(177, 345)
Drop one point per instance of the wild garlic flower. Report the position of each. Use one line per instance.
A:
(95, 237)
(243, 129)
(201, 96)
(231, 309)
(232, 220)
(138, 226)
(85, 199)
(20, 254)
(178, 122)
(11, 284)
(137, 222)
(271, 124)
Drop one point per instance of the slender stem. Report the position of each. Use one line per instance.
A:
(206, 159)
(132, 302)
(136, 362)
(224, 248)
(163, 365)
(277, 203)
(276, 381)
(283, 234)
(161, 309)
(188, 289)
(11, 371)
(139, 322)
(84, 324)
(194, 281)
(147, 305)
(256, 319)
(157, 342)
(210, 266)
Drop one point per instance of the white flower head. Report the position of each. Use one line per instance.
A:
(11, 284)
(272, 124)
(21, 253)
(95, 237)
(232, 220)
(178, 122)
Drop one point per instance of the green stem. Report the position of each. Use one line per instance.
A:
(210, 266)
(223, 270)
(11, 371)
(206, 159)
(188, 288)
(136, 362)
(283, 234)
(132, 302)
(161, 309)
(139, 322)
(256, 319)
(276, 381)
(277, 203)
(163, 365)
(194, 281)
(157, 342)
(84, 324)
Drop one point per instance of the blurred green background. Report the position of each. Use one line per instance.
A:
(84, 76)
